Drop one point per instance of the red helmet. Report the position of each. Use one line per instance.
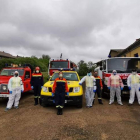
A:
(37, 68)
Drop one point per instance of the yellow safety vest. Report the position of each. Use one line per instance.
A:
(135, 79)
(90, 81)
(16, 82)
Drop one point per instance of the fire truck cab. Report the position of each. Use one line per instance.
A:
(57, 64)
(123, 66)
(6, 73)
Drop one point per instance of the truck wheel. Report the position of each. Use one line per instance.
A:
(80, 103)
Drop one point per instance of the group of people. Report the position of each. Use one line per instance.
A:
(115, 85)
(60, 88)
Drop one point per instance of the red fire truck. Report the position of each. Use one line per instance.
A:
(123, 65)
(57, 64)
(6, 73)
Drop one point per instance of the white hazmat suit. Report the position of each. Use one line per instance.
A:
(15, 86)
(133, 83)
(90, 86)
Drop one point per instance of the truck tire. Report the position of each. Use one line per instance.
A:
(80, 103)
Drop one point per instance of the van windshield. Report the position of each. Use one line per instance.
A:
(68, 76)
(10, 72)
(59, 64)
(123, 65)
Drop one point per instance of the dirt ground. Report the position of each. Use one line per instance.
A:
(102, 122)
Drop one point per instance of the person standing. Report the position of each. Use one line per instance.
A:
(59, 90)
(99, 86)
(115, 85)
(90, 82)
(15, 87)
(133, 83)
(37, 83)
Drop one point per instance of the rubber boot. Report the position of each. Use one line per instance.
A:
(61, 111)
(40, 101)
(36, 101)
(100, 101)
(58, 111)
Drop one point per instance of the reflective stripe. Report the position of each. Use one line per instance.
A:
(61, 106)
(39, 97)
(99, 98)
(57, 106)
(36, 75)
(35, 96)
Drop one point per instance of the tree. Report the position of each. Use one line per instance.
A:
(45, 56)
(83, 69)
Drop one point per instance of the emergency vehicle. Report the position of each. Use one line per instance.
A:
(57, 64)
(25, 73)
(75, 90)
(123, 65)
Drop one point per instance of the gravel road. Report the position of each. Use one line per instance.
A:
(102, 122)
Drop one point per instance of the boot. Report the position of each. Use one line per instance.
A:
(40, 101)
(36, 101)
(93, 102)
(100, 101)
(58, 111)
(61, 111)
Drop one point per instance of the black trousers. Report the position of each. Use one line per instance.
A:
(37, 91)
(99, 93)
(59, 99)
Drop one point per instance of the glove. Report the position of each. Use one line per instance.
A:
(80, 83)
(41, 86)
(94, 91)
(10, 92)
(139, 89)
(109, 88)
(121, 88)
(21, 91)
(52, 94)
(68, 93)
(129, 88)
(32, 87)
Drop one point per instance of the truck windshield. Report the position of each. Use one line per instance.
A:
(123, 65)
(10, 72)
(68, 76)
(59, 64)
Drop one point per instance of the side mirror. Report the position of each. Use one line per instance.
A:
(101, 68)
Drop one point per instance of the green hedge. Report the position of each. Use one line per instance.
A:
(42, 63)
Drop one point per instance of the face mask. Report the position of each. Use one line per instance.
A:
(89, 74)
(16, 75)
(114, 73)
(134, 73)
(37, 71)
(60, 75)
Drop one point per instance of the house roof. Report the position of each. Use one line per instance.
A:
(131, 47)
(116, 50)
(7, 55)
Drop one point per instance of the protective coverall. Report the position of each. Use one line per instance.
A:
(15, 87)
(90, 89)
(133, 83)
(37, 82)
(99, 85)
(60, 88)
(114, 84)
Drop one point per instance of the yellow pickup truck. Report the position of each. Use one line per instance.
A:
(75, 90)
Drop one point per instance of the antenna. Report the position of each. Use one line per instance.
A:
(61, 56)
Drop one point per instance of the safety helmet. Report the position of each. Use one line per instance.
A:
(134, 70)
(37, 68)
(114, 71)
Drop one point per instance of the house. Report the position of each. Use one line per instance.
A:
(6, 55)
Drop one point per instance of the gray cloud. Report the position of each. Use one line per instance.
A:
(80, 29)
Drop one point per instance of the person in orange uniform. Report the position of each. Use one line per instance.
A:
(60, 88)
(37, 82)
(99, 87)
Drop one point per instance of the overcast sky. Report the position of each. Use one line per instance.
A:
(80, 29)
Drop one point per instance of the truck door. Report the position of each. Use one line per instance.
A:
(27, 79)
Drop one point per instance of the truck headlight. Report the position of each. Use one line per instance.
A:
(76, 89)
(45, 89)
(4, 87)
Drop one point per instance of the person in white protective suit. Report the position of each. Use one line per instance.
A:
(90, 82)
(15, 87)
(133, 83)
(115, 85)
